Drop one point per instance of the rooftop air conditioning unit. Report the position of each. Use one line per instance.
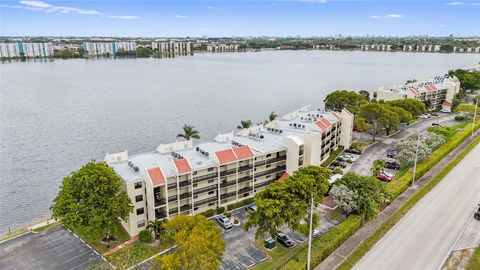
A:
(197, 148)
(261, 136)
(135, 168)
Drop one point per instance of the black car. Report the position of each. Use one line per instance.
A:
(284, 240)
(337, 163)
(392, 165)
(353, 151)
(436, 125)
(392, 153)
(477, 214)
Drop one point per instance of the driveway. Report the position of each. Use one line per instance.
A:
(54, 248)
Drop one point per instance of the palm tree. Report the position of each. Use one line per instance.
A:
(272, 116)
(189, 132)
(245, 124)
(156, 228)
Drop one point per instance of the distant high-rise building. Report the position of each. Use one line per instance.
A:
(165, 48)
(29, 50)
(107, 48)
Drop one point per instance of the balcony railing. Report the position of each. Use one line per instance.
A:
(266, 183)
(244, 168)
(204, 177)
(227, 172)
(160, 201)
(185, 183)
(245, 179)
(160, 214)
(227, 184)
(172, 186)
(274, 170)
(269, 161)
(228, 195)
(185, 195)
(172, 198)
(205, 189)
(260, 163)
(245, 190)
(205, 201)
(185, 208)
(173, 211)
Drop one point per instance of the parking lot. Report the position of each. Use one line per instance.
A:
(54, 248)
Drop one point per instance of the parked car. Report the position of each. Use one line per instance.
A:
(251, 207)
(353, 151)
(284, 240)
(392, 165)
(445, 111)
(436, 125)
(331, 167)
(316, 233)
(392, 153)
(388, 174)
(337, 163)
(348, 157)
(477, 214)
(224, 222)
(384, 177)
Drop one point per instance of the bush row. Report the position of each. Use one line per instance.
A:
(323, 246)
(221, 210)
(240, 204)
(397, 186)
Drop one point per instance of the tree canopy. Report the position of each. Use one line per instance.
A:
(469, 79)
(189, 132)
(245, 124)
(288, 203)
(411, 105)
(407, 148)
(199, 244)
(467, 108)
(92, 198)
(339, 99)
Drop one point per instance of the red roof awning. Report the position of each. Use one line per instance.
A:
(225, 156)
(156, 176)
(243, 152)
(182, 165)
(284, 176)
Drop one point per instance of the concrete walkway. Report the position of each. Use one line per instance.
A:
(337, 257)
(122, 245)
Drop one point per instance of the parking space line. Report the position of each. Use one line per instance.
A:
(83, 263)
(77, 256)
(69, 250)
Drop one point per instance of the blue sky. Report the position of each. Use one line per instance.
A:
(239, 18)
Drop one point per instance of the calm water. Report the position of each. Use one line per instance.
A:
(56, 116)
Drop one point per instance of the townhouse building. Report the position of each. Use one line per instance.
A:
(184, 177)
(438, 91)
(171, 48)
(107, 48)
(29, 50)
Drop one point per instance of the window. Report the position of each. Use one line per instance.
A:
(140, 211)
(268, 166)
(138, 198)
(138, 185)
(211, 192)
(141, 224)
(195, 173)
(211, 169)
(194, 184)
(212, 203)
(246, 194)
(195, 208)
(269, 155)
(211, 181)
(195, 196)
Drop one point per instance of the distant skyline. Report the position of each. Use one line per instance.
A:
(152, 18)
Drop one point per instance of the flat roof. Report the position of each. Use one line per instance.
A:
(429, 85)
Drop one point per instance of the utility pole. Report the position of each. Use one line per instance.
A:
(474, 116)
(310, 235)
(415, 163)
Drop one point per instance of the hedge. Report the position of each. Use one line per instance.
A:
(332, 156)
(323, 246)
(397, 186)
(145, 236)
(240, 204)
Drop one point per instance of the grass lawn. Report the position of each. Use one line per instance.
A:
(134, 253)
(336, 214)
(474, 262)
(279, 256)
(360, 145)
(333, 155)
(96, 241)
(41, 229)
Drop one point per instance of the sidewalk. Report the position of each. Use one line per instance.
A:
(337, 257)
(122, 245)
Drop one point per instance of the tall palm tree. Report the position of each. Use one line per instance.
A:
(189, 132)
(271, 117)
(156, 228)
(245, 124)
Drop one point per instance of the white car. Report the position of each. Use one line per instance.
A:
(348, 157)
(389, 174)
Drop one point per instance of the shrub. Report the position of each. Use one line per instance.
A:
(145, 236)
(337, 170)
(220, 210)
(236, 222)
(208, 213)
(228, 214)
(240, 204)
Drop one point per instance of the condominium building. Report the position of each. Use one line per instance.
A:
(222, 48)
(439, 91)
(376, 47)
(107, 48)
(168, 48)
(29, 50)
(187, 178)
(467, 49)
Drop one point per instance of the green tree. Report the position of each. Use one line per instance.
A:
(189, 132)
(288, 203)
(199, 244)
(469, 79)
(372, 113)
(272, 116)
(467, 109)
(93, 199)
(389, 120)
(245, 124)
(411, 105)
(378, 166)
(339, 99)
(407, 148)
(367, 192)
(361, 125)
(365, 93)
(403, 115)
(410, 81)
(156, 228)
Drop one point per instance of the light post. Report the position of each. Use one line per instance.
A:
(474, 116)
(415, 163)
(310, 235)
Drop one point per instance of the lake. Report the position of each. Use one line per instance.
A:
(58, 115)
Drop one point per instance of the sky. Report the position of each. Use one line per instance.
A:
(157, 18)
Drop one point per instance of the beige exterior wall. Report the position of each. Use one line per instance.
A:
(346, 128)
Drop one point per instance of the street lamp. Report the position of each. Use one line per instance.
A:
(474, 116)
(415, 163)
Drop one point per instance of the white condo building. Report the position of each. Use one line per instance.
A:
(29, 50)
(105, 48)
(187, 178)
(222, 48)
(439, 90)
(173, 47)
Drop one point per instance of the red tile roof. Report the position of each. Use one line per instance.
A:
(243, 152)
(414, 90)
(323, 123)
(182, 165)
(429, 88)
(336, 115)
(156, 176)
(225, 156)
(433, 87)
(284, 176)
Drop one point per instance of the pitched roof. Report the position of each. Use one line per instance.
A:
(284, 176)
(414, 90)
(323, 123)
(336, 115)
(156, 176)
(225, 156)
(243, 152)
(182, 165)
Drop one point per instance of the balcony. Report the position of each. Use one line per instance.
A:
(260, 163)
(185, 183)
(172, 186)
(159, 214)
(266, 183)
(204, 177)
(205, 201)
(300, 152)
(273, 160)
(205, 189)
(244, 168)
(245, 179)
(228, 195)
(173, 211)
(228, 172)
(185, 195)
(245, 190)
(185, 208)
(227, 184)
(274, 170)
(172, 198)
(159, 201)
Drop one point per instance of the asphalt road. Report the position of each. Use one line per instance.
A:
(426, 235)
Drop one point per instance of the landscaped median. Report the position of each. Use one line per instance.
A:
(380, 232)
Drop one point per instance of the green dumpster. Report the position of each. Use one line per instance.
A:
(269, 243)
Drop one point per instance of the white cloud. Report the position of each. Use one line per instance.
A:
(315, 1)
(375, 17)
(475, 4)
(455, 3)
(180, 16)
(125, 17)
(48, 8)
(214, 8)
(395, 16)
